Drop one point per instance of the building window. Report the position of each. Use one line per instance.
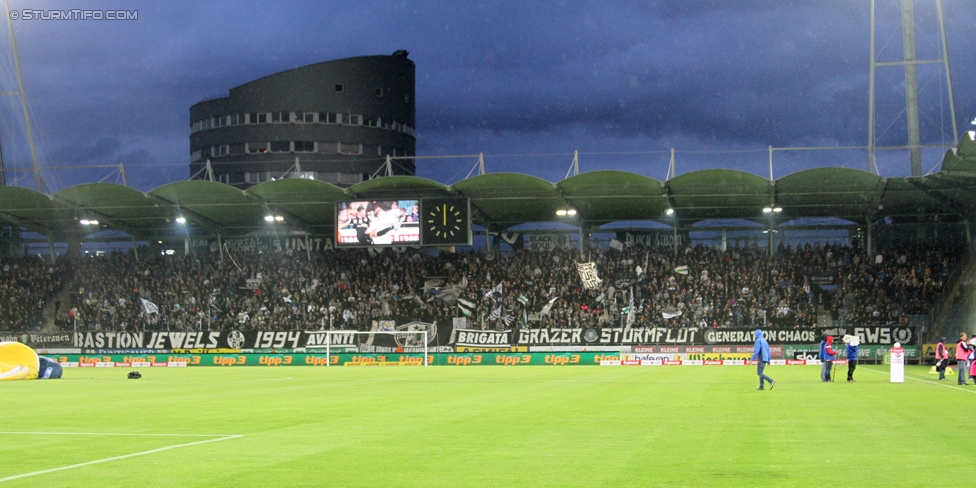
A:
(350, 148)
(259, 118)
(304, 146)
(379, 93)
(257, 147)
(328, 148)
(355, 120)
(339, 88)
(280, 146)
(308, 117)
(220, 121)
(195, 155)
(223, 178)
(206, 124)
(238, 119)
(406, 99)
(236, 149)
(258, 177)
(281, 117)
(219, 151)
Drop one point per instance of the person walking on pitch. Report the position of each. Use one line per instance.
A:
(853, 346)
(761, 355)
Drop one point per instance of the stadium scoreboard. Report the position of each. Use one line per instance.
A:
(444, 221)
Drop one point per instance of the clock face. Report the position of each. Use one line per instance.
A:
(445, 221)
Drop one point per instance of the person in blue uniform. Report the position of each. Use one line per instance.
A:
(48, 369)
(761, 354)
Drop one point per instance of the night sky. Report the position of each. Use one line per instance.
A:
(525, 83)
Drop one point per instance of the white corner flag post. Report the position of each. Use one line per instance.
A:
(897, 364)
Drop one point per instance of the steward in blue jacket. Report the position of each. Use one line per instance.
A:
(826, 356)
(761, 353)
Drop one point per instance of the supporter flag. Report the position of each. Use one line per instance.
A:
(495, 293)
(588, 275)
(523, 300)
(615, 244)
(496, 313)
(509, 319)
(668, 315)
(681, 270)
(433, 285)
(466, 306)
(631, 315)
(149, 307)
(548, 307)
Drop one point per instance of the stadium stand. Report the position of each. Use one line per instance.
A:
(349, 289)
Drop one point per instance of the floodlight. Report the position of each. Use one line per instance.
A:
(180, 220)
(269, 218)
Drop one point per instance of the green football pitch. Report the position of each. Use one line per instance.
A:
(481, 426)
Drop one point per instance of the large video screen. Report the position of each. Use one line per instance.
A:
(378, 223)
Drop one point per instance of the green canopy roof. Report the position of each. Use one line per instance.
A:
(500, 200)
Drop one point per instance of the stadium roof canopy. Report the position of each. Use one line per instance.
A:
(499, 200)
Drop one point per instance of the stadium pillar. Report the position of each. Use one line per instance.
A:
(50, 249)
(186, 245)
(74, 248)
(868, 243)
(725, 240)
(581, 235)
(220, 245)
(969, 235)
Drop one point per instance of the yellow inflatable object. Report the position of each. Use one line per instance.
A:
(17, 362)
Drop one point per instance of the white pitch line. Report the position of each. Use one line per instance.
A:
(115, 458)
(117, 434)
(936, 383)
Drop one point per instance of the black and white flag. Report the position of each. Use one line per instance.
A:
(495, 293)
(548, 307)
(466, 306)
(587, 273)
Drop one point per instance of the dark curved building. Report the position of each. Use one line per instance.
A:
(338, 119)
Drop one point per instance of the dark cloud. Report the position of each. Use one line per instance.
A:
(630, 78)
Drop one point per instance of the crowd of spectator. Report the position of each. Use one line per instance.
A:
(26, 285)
(695, 287)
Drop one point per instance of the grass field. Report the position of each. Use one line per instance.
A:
(480, 426)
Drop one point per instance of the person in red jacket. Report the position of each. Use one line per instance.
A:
(827, 355)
